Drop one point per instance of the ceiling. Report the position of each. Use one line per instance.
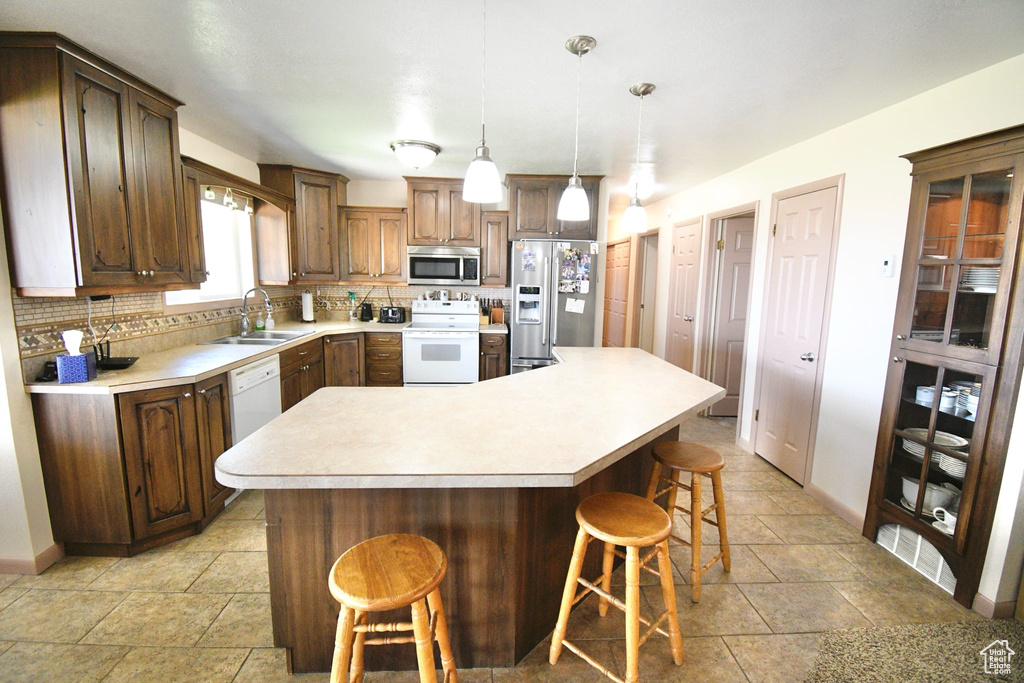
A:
(328, 83)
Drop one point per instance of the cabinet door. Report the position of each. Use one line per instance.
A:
(316, 208)
(193, 194)
(493, 356)
(390, 237)
(213, 423)
(98, 144)
(157, 209)
(578, 230)
(531, 211)
(292, 386)
(313, 376)
(343, 360)
(161, 452)
(275, 242)
(959, 258)
(463, 227)
(357, 260)
(426, 215)
(494, 252)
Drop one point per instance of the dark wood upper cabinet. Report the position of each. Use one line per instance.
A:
(344, 360)
(955, 358)
(158, 428)
(192, 194)
(91, 174)
(213, 422)
(314, 244)
(372, 245)
(439, 216)
(494, 249)
(533, 207)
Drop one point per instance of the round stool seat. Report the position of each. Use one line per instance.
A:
(624, 519)
(387, 572)
(688, 457)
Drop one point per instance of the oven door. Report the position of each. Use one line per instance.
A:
(436, 357)
(435, 270)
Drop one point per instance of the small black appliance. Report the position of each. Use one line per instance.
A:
(392, 314)
(366, 312)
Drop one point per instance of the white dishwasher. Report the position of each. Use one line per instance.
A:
(255, 396)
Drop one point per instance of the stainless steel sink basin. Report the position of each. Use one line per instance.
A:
(259, 338)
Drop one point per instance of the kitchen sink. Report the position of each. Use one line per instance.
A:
(259, 337)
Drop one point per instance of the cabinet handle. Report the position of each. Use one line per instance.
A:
(303, 353)
(900, 337)
(202, 391)
(187, 395)
(151, 273)
(385, 374)
(897, 359)
(303, 275)
(295, 274)
(207, 273)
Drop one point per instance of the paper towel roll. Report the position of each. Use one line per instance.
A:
(307, 307)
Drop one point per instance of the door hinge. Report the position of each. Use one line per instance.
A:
(773, 229)
(721, 245)
(757, 414)
(673, 248)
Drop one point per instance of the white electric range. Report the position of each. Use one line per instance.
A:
(441, 344)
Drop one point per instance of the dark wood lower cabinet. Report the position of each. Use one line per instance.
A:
(302, 372)
(213, 417)
(130, 472)
(344, 364)
(383, 359)
(493, 356)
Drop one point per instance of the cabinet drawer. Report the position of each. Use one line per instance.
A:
(384, 374)
(492, 341)
(383, 353)
(302, 354)
(374, 339)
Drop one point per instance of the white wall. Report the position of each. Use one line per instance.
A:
(872, 226)
(211, 153)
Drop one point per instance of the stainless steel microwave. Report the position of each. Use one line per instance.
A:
(455, 266)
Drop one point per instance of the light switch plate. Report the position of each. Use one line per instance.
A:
(889, 265)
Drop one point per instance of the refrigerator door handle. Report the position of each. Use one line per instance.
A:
(547, 303)
(554, 298)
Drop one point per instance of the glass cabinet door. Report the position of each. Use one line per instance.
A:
(960, 261)
(936, 441)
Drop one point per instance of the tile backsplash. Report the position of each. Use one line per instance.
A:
(138, 325)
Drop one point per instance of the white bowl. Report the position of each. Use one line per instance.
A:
(934, 496)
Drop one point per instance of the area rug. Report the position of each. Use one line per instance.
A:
(936, 653)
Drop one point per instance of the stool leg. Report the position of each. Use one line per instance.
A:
(443, 643)
(673, 494)
(652, 485)
(632, 614)
(606, 577)
(695, 508)
(424, 643)
(579, 552)
(356, 670)
(723, 536)
(668, 594)
(342, 645)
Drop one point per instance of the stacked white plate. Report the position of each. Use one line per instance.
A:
(968, 401)
(944, 439)
(979, 279)
(951, 466)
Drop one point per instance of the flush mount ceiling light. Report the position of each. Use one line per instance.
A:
(574, 205)
(634, 218)
(483, 183)
(415, 154)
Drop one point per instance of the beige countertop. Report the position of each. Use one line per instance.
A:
(196, 362)
(555, 426)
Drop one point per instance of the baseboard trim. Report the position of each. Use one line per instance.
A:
(994, 610)
(37, 565)
(745, 444)
(834, 505)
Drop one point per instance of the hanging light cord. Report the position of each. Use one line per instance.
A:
(579, 77)
(639, 122)
(483, 83)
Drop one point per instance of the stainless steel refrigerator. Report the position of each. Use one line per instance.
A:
(554, 298)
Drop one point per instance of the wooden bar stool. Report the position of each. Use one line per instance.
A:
(630, 521)
(698, 460)
(385, 573)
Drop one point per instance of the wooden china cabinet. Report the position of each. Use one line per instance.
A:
(955, 359)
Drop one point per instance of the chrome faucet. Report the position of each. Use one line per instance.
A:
(245, 318)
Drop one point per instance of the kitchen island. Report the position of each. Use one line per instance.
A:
(492, 472)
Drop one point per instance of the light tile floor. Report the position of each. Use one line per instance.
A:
(199, 609)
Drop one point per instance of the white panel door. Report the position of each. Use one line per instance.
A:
(649, 282)
(682, 302)
(616, 290)
(795, 308)
(731, 312)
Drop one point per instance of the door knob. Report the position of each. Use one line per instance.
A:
(689, 319)
(900, 337)
(809, 357)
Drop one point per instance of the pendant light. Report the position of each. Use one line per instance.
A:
(574, 205)
(634, 218)
(483, 183)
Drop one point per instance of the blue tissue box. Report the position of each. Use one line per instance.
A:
(76, 368)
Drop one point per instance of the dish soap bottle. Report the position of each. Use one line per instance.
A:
(352, 314)
(260, 324)
(269, 324)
